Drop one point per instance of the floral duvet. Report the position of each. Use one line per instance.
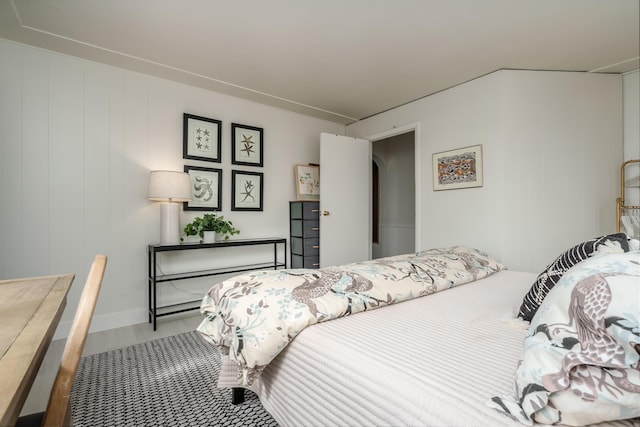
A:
(252, 317)
(581, 359)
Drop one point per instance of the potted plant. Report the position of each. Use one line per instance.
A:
(209, 223)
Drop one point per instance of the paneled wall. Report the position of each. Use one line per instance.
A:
(77, 142)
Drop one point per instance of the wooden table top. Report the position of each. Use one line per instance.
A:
(30, 310)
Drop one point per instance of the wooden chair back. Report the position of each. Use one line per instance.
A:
(58, 411)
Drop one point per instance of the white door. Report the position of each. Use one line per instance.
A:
(345, 200)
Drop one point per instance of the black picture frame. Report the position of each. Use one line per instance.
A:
(201, 138)
(206, 189)
(247, 190)
(247, 145)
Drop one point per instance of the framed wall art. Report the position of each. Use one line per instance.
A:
(206, 189)
(307, 182)
(246, 145)
(202, 138)
(246, 190)
(461, 168)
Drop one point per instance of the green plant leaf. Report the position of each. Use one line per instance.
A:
(210, 222)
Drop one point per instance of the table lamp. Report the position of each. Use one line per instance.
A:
(169, 187)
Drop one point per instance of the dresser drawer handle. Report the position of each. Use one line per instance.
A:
(316, 264)
(315, 228)
(315, 210)
(316, 246)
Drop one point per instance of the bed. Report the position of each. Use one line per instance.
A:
(446, 357)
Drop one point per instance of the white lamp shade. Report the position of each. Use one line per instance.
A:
(169, 186)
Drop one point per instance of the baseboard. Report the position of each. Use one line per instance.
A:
(105, 322)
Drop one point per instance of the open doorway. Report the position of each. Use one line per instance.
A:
(393, 198)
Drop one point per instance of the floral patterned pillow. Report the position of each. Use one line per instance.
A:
(580, 360)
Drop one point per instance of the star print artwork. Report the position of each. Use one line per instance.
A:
(247, 190)
(202, 138)
(247, 145)
(206, 188)
(203, 188)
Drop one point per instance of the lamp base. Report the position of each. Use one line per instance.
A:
(169, 223)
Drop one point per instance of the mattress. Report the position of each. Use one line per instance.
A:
(431, 361)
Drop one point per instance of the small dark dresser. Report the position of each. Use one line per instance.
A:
(304, 225)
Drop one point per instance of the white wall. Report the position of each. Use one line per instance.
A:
(631, 87)
(562, 149)
(77, 141)
(552, 146)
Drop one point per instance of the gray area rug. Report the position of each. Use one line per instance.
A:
(166, 382)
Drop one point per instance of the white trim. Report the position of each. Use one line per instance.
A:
(399, 226)
(615, 65)
(398, 130)
(105, 322)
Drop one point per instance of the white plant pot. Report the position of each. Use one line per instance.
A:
(191, 239)
(209, 237)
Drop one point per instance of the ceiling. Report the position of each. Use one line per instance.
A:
(337, 60)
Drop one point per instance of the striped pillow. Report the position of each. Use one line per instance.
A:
(554, 271)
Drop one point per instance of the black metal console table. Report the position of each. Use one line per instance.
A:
(156, 311)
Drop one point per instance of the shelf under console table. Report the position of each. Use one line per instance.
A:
(154, 278)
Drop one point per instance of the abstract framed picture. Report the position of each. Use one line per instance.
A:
(246, 190)
(247, 145)
(461, 168)
(206, 189)
(307, 182)
(202, 138)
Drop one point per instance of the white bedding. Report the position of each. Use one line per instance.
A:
(254, 316)
(355, 371)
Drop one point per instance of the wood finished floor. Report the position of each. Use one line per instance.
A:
(99, 342)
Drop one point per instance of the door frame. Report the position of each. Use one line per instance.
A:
(397, 130)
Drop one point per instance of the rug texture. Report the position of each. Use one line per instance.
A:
(166, 382)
